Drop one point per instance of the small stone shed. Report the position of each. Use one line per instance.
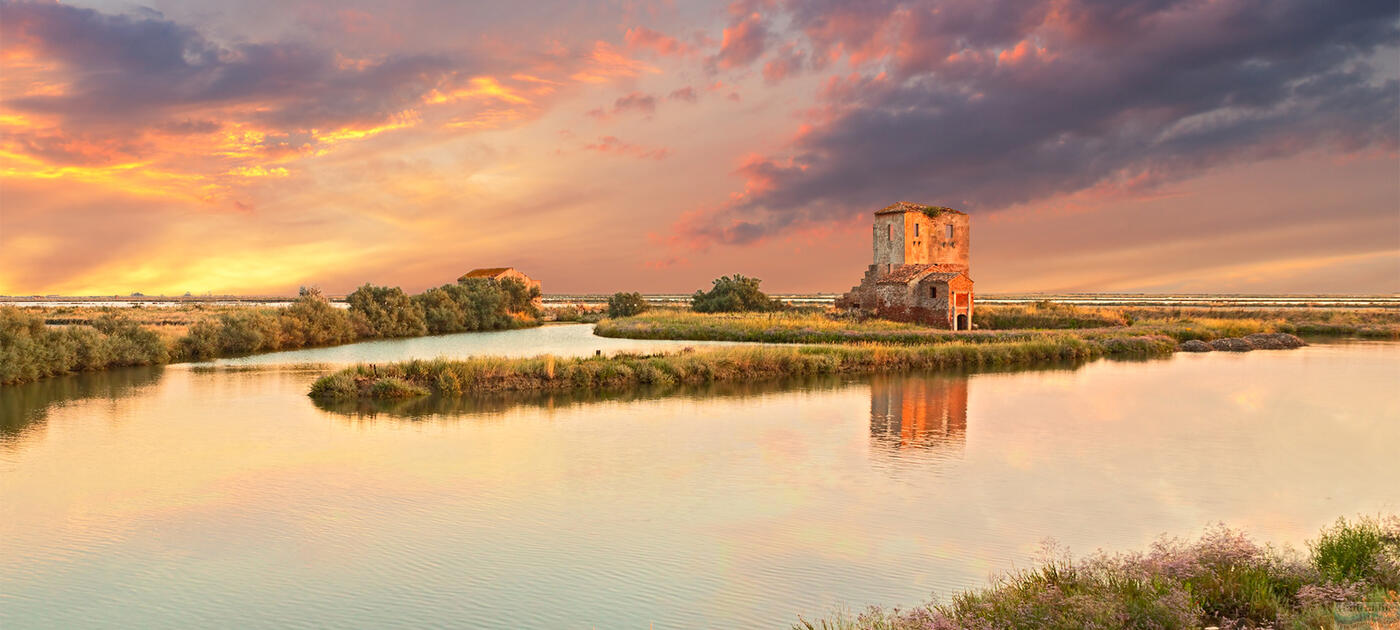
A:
(501, 273)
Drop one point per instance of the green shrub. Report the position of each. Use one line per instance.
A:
(1358, 551)
(627, 304)
(394, 387)
(30, 350)
(733, 294)
(311, 320)
(335, 386)
(388, 311)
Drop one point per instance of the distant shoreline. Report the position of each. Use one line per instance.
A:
(1185, 300)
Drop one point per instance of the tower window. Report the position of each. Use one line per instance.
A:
(890, 236)
(950, 232)
(933, 292)
(916, 230)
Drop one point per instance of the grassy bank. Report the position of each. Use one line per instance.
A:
(1348, 579)
(547, 373)
(1001, 324)
(424, 407)
(32, 349)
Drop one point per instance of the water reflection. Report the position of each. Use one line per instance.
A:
(919, 412)
(23, 408)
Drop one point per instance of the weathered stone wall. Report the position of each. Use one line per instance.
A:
(935, 304)
(932, 244)
(889, 239)
(914, 238)
(900, 302)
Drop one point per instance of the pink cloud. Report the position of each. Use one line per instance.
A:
(643, 38)
(613, 145)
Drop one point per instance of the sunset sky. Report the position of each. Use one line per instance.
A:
(1099, 145)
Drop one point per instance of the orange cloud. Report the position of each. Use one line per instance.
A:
(611, 144)
(642, 38)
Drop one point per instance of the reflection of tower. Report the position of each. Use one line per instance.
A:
(926, 412)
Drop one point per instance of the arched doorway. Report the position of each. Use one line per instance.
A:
(962, 322)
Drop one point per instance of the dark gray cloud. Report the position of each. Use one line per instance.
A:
(687, 94)
(126, 69)
(987, 104)
(638, 102)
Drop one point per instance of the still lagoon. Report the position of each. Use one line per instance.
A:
(219, 495)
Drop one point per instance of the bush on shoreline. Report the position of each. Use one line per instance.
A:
(29, 350)
(627, 304)
(1224, 579)
(734, 294)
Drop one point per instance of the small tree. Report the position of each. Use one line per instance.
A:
(732, 294)
(388, 311)
(627, 304)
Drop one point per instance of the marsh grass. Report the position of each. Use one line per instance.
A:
(450, 408)
(549, 373)
(1224, 579)
(1000, 324)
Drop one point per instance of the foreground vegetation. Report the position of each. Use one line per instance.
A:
(997, 324)
(548, 373)
(31, 350)
(1348, 579)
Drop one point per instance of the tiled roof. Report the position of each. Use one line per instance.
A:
(489, 272)
(907, 206)
(904, 274)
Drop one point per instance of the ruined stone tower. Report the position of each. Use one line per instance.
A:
(920, 271)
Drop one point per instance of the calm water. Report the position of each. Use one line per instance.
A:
(198, 497)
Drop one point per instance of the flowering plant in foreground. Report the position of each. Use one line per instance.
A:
(1224, 579)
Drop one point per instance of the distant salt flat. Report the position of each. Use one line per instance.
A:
(801, 299)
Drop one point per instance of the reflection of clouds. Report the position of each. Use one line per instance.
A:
(919, 412)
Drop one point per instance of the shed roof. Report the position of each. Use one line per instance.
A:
(909, 206)
(487, 272)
